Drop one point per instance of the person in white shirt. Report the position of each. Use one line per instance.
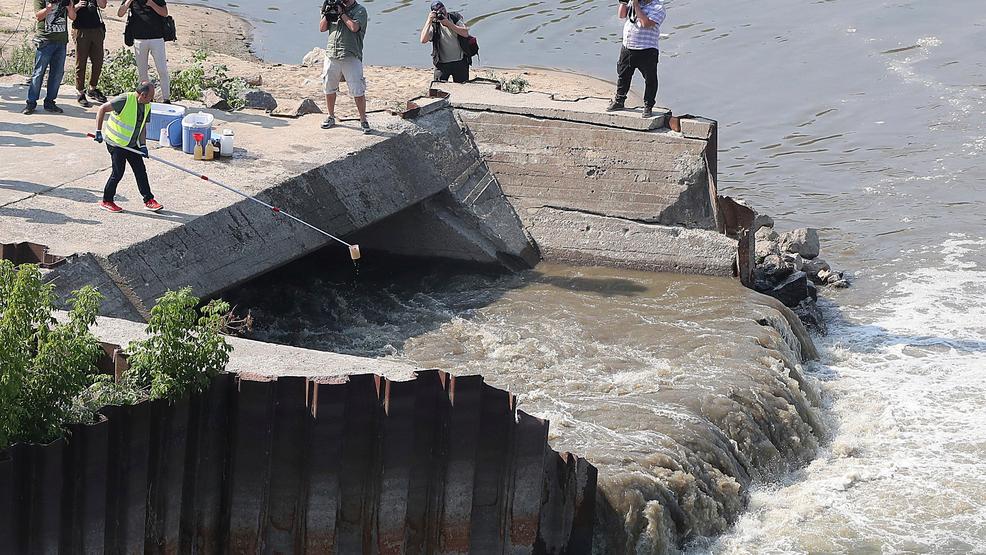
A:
(640, 51)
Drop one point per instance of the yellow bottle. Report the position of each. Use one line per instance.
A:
(198, 151)
(210, 151)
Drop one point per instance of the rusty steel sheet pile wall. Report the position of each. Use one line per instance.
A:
(438, 464)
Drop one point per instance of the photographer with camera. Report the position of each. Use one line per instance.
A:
(446, 32)
(146, 25)
(51, 40)
(345, 21)
(127, 128)
(89, 32)
(640, 51)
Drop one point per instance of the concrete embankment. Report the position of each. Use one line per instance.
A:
(598, 188)
(211, 239)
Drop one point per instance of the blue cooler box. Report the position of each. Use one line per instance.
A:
(195, 123)
(161, 116)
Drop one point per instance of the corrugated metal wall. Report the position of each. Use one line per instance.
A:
(440, 464)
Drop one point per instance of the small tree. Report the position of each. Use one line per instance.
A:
(44, 364)
(184, 350)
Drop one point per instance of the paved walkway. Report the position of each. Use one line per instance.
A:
(52, 175)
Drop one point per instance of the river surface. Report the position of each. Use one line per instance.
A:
(866, 120)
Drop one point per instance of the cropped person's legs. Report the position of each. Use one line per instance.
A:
(96, 55)
(647, 64)
(460, 71)
(56, 71)
(142, 49)
(160, 54)
(119, 158)
(624, 76)
(140, 174)
(41, 59)
(331, 76)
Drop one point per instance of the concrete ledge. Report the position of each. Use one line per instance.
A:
(477, 97)
(593, 240)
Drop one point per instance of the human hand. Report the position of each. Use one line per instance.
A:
(143, 150)
(98, 137)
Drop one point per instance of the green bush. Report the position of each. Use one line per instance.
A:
(18, 60)
(119, 73)
(44, 364)
(184, 350)
(48, 377)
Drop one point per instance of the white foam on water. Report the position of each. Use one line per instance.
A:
(904, 471)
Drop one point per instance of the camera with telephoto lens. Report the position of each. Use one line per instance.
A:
(332, 9)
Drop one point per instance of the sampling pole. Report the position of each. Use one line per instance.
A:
(353, 249)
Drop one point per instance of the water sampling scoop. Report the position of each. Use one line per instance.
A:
(353, 249)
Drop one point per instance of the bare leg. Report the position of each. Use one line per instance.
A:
(330, 103)
(361, 107)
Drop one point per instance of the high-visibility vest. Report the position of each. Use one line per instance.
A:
(123, 127)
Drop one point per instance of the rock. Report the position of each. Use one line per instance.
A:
(762, 220)
(814, 268)
(766, 243)
(802, 241)
(259, 100)
(793, 260)
(254, 80)
(773, 268)
(211, 99)
(313, 58)
(840, 284)
(792, 290)
(812, 291)
(811, 316)
(296, 108)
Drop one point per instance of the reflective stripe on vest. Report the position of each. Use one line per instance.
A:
(122, 128)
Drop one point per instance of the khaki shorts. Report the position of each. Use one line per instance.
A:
(350, 67)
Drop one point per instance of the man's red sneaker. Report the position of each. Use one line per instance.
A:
(109, 206)
(153, 205)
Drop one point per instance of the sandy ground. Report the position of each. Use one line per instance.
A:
(228, 39)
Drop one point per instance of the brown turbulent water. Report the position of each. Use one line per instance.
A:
(864, 119)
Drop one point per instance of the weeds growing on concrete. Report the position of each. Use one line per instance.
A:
(48, 375)
(17, 60)
(514, 85)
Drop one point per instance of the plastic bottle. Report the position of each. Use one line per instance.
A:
(163, 137)
(198, 145)
(210, 151)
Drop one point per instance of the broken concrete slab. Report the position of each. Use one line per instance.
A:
(468, 96)
(594, 240)
(208, 238)
(295, 108)
(697, 128)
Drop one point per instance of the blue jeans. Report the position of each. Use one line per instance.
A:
(50, 55)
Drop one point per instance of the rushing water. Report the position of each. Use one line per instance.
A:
(866, 120)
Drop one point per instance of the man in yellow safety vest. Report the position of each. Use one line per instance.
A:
(127, 129)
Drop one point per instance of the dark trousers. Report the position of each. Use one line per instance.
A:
(88, 48)
(121, 158)
(458, 71)
(632, 60)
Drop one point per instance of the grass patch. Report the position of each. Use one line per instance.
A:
(17, 60)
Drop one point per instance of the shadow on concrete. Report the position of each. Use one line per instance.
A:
(68, 193)
(248, 118)
(6, 140)
(39, 216)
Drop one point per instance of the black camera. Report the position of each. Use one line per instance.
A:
(332, 9)
(439, 15)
